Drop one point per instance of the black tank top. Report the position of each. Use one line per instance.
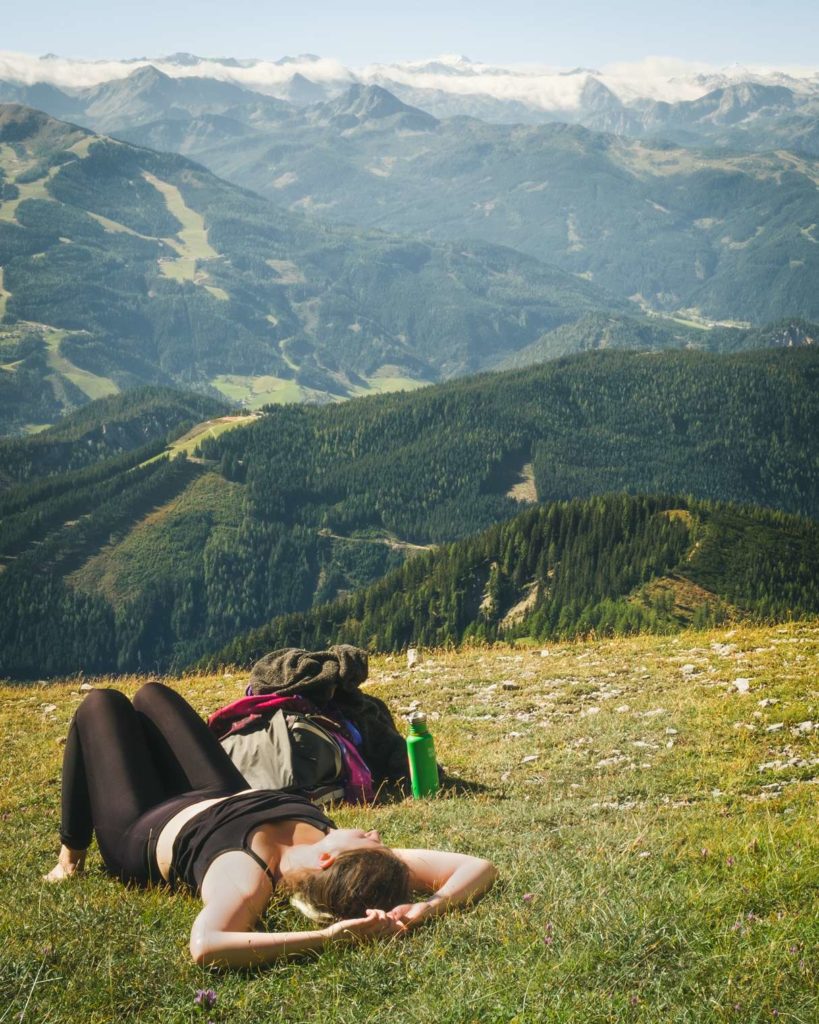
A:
(226, 826)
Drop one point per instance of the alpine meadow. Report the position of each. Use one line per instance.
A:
(493, 383)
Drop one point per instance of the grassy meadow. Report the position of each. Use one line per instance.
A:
(650, 803)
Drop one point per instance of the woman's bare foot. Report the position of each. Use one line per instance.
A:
(69, 863)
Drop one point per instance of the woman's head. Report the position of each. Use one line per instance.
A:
(353, 881)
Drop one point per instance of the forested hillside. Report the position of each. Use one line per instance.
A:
(121, 266)
(614, 564)
(653, 334)
(104, 427)
(728, 233)
(133, 561)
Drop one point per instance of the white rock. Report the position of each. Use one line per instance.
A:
(775, 727)
(805, 727)
(589, 711)
(742, 684)
(545, 654)
(529, 758)
(670, 744)
(85, 687)
(606, 762)
(723, 649)
(412, 656)
(767, 702)
(508, 684)
(688, 670)
(670, 731)
(48, 708)
(654, 712)
(622, 709)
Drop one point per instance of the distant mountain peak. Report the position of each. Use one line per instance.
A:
(596, 96)
(182, 59)
(149, 73)
(302, 58)
(363, 103)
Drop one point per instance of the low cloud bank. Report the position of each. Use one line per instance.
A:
(538, 87)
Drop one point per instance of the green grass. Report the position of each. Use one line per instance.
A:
(189, 442)
(164, 543)
(672, 877)
(191, 242)
(382, 384)
(254, 392)
(28, 190)
(91, 384)
(4, 296)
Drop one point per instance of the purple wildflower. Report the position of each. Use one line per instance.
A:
(633, 1000)
(703, 853)
(528, 897)
(205, 997)
(548, 940)
(729, 861)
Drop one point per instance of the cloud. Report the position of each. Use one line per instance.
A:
(538, 87)
(263, 76)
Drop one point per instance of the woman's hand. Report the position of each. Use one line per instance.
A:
(412, 914)
(376, 924)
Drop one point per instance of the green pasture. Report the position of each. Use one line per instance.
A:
(653, 819)
(91, 384)
(191, 242)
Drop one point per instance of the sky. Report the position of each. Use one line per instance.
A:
(588, 33)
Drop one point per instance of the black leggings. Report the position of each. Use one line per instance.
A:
(130, 767)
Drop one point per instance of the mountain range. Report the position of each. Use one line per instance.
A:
(729, 235)
(758, 105)
(651, 216)
(122, 266)
(138, 555)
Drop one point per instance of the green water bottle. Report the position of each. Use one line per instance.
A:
(421, 754)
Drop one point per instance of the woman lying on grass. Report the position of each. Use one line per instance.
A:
(167, 803)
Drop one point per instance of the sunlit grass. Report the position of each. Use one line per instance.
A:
(656, 839)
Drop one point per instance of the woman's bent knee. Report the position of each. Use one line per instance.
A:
(150, 692)
(101, 702)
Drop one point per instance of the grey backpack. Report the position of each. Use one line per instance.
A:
(286, 751)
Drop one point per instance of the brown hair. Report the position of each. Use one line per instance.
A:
(355, 882)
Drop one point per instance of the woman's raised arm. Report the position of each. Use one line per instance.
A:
(452, 878)
(235, 893)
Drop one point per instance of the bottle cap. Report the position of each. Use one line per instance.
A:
(418, 719)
